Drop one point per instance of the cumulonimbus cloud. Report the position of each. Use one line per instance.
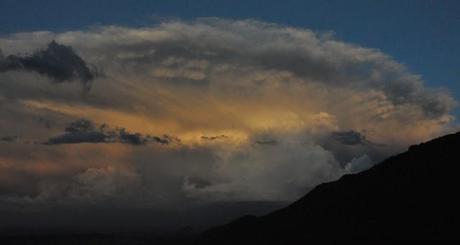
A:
(263, 111)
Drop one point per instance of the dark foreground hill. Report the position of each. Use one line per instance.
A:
(410, 197)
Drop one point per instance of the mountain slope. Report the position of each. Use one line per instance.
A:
(408, 197)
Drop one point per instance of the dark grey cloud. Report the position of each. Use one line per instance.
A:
(78, 137)
(165, 139)
(350, 138)
(79, 131)
(131, 138)
(8, 138)
(217, 137)
(349, 145)
(80, 125)
(84, 131)
(57, 61)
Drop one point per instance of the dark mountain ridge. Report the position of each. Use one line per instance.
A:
(410, 197)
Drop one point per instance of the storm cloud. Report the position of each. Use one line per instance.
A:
(57, 61)
(198, 112)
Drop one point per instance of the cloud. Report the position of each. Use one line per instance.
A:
(87, 187)
(8, 138)
(185, 52)
(84, 131)
(350, 138)
(79, 131)
(224, 110)
(216, 75)
(131, 138)
(81, 125)
(57, 61)
(104, 182)
(78, 137)
(217, 137)
(358, 164)
(266, 142)
(279, 173)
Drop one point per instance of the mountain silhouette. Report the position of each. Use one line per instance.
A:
(410, 197)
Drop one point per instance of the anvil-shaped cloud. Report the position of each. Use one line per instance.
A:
(262, 111)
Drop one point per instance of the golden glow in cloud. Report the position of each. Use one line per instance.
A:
(257, 107)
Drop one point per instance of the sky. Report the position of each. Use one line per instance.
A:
(164, 111)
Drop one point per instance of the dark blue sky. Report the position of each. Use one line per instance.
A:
(423, 34)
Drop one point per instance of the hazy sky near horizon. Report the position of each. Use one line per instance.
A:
(161, 107)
